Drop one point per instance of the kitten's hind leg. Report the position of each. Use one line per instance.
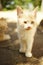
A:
(22, 46)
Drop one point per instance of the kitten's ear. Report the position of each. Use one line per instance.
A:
(35, 11)
(19, 11)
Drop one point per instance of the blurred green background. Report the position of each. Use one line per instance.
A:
(11, 4)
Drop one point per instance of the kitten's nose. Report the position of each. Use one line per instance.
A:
(28, 28)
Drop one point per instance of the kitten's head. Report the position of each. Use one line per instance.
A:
(26, 20)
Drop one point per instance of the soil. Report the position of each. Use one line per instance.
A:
(9, 49)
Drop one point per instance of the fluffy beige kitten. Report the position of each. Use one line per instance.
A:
(27, 27)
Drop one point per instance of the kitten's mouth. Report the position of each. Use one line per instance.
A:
(29, 28)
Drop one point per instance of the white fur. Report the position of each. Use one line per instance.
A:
(26, 37)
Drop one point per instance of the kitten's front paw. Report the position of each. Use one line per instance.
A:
(28, 54)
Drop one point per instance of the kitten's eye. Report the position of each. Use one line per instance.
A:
(25, 22)
(32, 22)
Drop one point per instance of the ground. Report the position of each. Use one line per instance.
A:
(9, 49)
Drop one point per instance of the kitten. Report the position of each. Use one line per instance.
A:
(27, 27)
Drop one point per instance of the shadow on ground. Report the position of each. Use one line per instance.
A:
(9, 54)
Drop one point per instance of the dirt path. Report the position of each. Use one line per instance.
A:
(9, 54)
